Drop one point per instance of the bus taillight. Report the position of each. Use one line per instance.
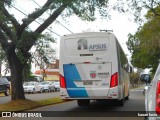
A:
(62, 81)
(114, 80)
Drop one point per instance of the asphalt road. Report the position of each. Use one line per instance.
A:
(96, 110)
(135, 103)
(100, 110)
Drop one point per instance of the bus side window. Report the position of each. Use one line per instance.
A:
(123, 59)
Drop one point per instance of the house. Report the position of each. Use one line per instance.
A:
(52, 72)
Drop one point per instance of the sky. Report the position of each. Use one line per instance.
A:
(121, 24)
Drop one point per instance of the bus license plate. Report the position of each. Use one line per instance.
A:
(87, 82)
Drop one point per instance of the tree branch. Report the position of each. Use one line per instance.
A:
(151, 8)
(3, 23)
(3, 39)
(42, 27)
(7, 30)
(52, 18)
(35, 15)
(11, 18)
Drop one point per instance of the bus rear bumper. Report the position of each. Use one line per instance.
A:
(112, 94)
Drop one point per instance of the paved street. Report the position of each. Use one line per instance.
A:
(96, 110)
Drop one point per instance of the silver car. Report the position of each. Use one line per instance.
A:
(57, 86)
(32, 87)
(152, 95)
(51, 85)
(45, 86)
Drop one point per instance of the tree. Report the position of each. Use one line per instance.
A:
(17, 40)
(44, 54)
(145, 44)
(138, 8)
(134, 78)
(2, 60)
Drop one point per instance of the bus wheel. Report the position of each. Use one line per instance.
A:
(121, 102)
(83, 102)
(127, 97)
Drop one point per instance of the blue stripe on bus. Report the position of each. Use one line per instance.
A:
(71, 74)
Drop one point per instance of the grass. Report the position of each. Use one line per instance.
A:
(1, 94)
(23, 105)
(49, 101)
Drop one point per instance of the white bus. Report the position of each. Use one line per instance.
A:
(93, 66)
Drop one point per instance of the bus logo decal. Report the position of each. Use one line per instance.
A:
(82, 44)
(103, 75)
(93, 74)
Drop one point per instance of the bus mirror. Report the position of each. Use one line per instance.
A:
(145, 78)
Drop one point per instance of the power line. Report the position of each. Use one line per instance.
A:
(19, 10)
(35, 21)
(22, 8)
(55, 20)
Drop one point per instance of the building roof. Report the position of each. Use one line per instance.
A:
(48, 72)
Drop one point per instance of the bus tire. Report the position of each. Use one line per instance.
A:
(83, 102)
(127, 97)
(121, 102)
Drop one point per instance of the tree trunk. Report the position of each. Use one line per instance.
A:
(16, 76)
(0, 68)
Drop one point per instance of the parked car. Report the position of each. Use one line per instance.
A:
(152, 95)
(57, 86)
(44, 86)
(4, 86)
(51, 85)
(31, 87)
